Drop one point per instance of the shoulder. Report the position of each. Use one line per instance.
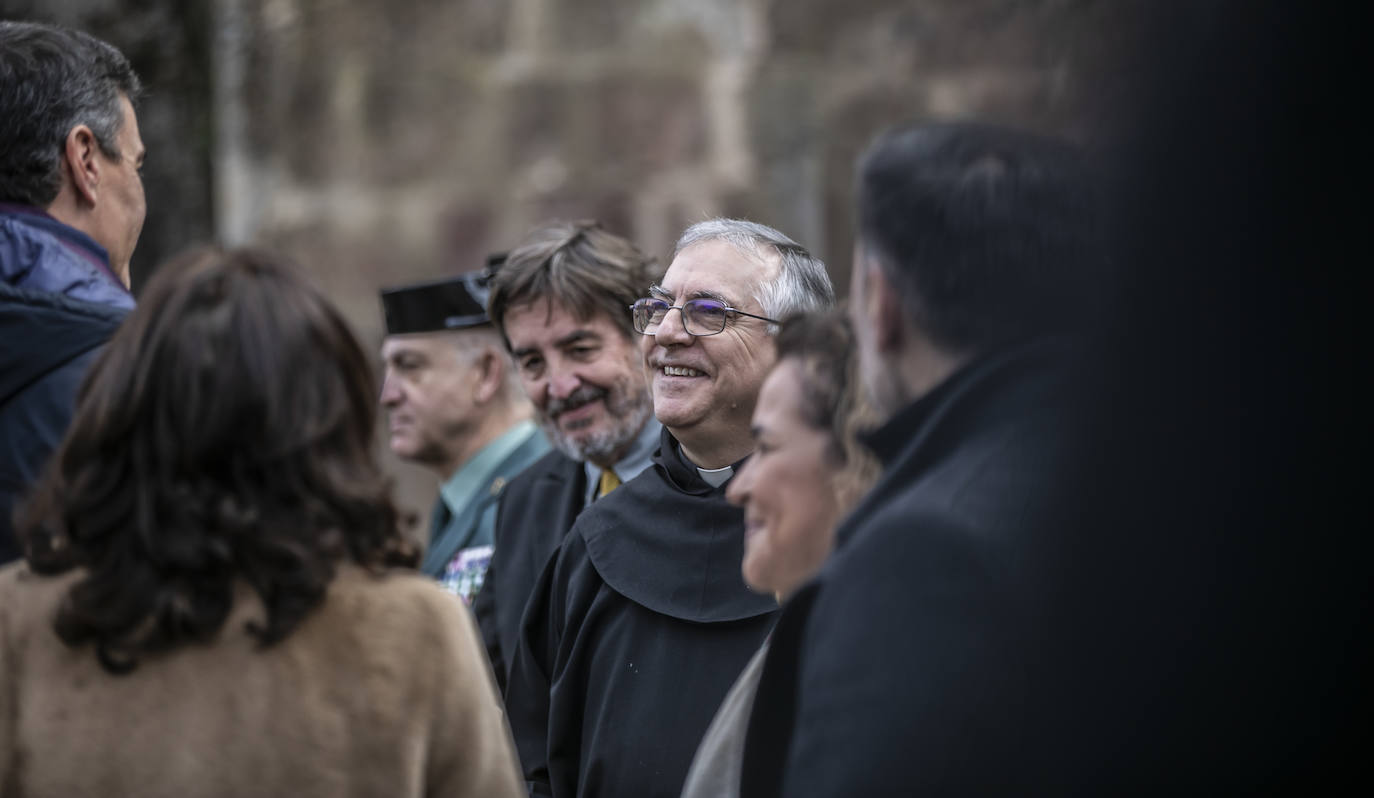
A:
(650, 510)
(900, 554)
(58, 329)
(936, 601)
(62, 337)
(983, 492)
(904, 537)
(395, 610)
(393, 591)
(530, 450)
(33, 258)
(551, 464)
(64, 308)
(28, 603)
(22, 590)
(623, 505)
(921, 580)
(571, 556)
(395, 619)
(23, 248)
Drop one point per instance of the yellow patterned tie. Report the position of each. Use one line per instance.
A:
(609, 482)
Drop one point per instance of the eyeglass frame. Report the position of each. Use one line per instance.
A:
(681, 309)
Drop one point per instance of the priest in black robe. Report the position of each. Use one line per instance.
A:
(641, 622)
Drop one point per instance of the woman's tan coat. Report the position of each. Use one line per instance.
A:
(383, 690)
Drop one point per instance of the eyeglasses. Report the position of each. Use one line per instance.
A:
(699, 316)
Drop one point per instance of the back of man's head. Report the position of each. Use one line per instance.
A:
(51, 80)
(988, 234)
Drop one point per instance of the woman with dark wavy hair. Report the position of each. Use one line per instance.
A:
(209, 604)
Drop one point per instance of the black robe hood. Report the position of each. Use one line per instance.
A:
(683, 562)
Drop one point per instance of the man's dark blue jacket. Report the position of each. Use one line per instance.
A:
(917, 662)
(59, 302)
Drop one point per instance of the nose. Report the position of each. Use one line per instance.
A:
(562, 383)
(737, 492)
(391, 390)
(672, 331)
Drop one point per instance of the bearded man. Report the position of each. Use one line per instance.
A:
(561, 302)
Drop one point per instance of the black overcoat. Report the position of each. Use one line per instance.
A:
(908, 665)
(635, 633)
(537, 509)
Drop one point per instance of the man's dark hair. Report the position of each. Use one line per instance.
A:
(51, 80)
(578, 265)
(224, 434)
(989, 234)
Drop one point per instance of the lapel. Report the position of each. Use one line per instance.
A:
(569, 486)
(460, 530)
(463, 526)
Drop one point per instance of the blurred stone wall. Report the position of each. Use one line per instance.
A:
(401, 139)
(383, 141)
(392, 141)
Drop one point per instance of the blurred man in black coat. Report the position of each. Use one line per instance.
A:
(1199, 621)
(904, 663)
(561, 303)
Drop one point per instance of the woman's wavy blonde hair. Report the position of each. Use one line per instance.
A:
(822, 344)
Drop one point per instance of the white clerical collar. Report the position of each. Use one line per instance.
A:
(715, 477)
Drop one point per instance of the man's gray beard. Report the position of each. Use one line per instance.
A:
(627, 418)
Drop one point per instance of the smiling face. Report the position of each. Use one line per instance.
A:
(787, 489)
(584, 377)
(705, 386)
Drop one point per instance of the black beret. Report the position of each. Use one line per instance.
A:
(453, 303)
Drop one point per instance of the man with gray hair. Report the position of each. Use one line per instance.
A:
(641, 622)
(454, 406)
(71, 209)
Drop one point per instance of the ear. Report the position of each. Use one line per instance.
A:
(81, 156)
(884, 307)
(491, 375)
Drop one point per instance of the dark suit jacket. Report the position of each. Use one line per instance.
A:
(908, 665)
(537, 509)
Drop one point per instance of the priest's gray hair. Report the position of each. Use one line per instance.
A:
(802, 284)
